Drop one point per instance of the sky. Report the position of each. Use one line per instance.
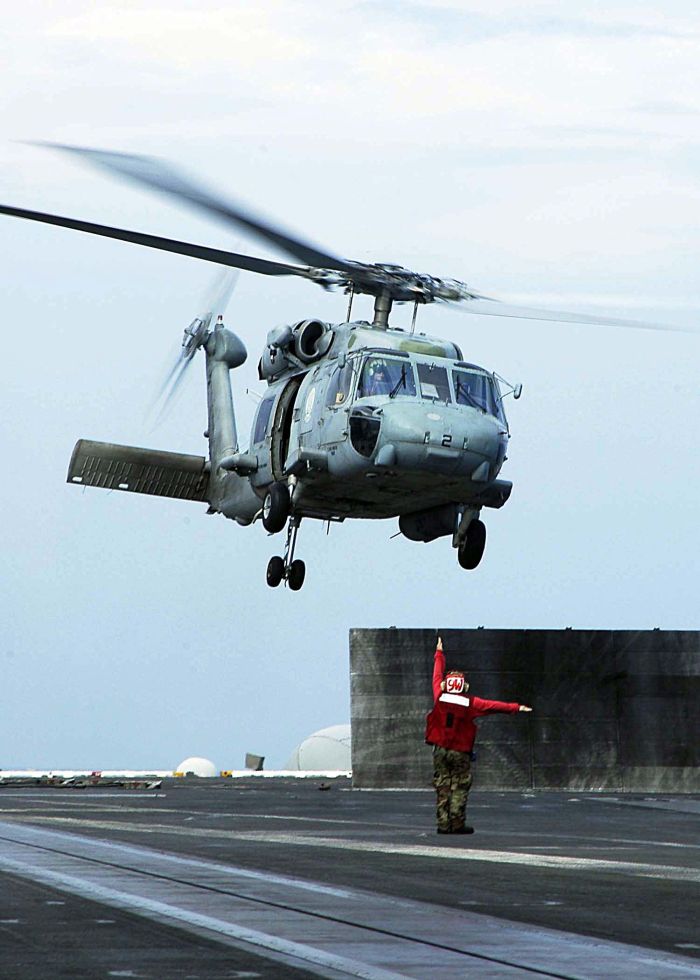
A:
(545, 154)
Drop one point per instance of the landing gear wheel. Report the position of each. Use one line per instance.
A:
(276, 508)
(275, 571)
(295, 578)
(471, 549)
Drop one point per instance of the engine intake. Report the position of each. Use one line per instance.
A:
(312, 339)
(290, 348)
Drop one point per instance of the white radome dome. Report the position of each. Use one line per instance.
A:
(200, 767)
(327, 750)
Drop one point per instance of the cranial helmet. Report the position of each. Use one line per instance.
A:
(455, 682)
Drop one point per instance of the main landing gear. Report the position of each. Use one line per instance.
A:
(471, 548)
(276, 507)
(289, 568)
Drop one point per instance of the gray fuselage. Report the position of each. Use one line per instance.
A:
(381, 424)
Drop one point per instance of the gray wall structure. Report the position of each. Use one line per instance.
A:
(613, 709)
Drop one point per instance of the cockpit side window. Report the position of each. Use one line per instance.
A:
(434, 384)
(477, 389)
(386, 376)
(262, 419)
(339, 386)
(498, 396)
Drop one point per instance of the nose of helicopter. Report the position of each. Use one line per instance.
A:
(441, 439)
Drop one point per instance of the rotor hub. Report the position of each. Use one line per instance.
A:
(399, 284)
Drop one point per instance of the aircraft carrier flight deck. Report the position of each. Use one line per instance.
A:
(286, 878)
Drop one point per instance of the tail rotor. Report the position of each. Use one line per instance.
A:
(213, 305)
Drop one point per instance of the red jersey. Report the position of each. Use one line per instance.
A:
(451, 722)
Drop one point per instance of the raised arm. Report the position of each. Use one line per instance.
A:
(483, 707)
(438, 669)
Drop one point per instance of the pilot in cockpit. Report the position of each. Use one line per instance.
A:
(375, 379)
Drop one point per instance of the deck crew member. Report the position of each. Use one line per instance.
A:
(450, 729)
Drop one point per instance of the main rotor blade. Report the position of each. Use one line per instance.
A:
(166, 179)
(488, 306)
(219, 256)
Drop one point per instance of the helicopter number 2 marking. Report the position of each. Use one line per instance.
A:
(447, 440)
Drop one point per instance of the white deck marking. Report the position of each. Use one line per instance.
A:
(208, 814)
(202, 814)
(675, 805)
(136, 851)
(162, 910)
(594, 838)
(561, 862)
(331, 932)
(84, 795)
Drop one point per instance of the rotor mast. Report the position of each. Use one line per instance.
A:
(382, 308)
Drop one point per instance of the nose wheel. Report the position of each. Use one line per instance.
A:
(289, 569)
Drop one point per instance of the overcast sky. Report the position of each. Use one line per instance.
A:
(546, 152)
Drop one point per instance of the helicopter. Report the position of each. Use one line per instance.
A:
(359, 419)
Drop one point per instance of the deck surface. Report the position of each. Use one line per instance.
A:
(276, 878)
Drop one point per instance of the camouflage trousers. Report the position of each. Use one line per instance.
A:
(452, 779)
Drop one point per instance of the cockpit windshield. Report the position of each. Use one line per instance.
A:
(434, 385)
(477, 389)
(386, 376)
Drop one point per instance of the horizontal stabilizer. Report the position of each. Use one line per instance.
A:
(152, 471)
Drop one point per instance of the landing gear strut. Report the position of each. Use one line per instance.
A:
(289, 568)
(471, 549)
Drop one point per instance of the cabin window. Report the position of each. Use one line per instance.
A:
(434, 384)
(386, 377)
(262, 419)
(477, 389)
(339, 386)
